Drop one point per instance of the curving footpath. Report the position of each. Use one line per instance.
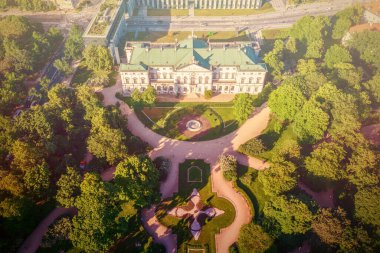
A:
(178, 151)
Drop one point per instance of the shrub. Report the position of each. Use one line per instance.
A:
(137, 146)
(208, 94)
(252, 147)
(228, 165)
(163, 165)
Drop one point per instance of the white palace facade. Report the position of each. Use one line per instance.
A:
(192, 66)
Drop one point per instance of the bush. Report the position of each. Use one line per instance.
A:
(208, 94)
(228, 165)
(163, 165)
(252, 147)
(136, 146)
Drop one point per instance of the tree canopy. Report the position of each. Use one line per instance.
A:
(138, 180)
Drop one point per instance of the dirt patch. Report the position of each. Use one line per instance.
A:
(181, 125)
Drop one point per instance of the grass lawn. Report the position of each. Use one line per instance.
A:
(234, 12)
(165, 37)
(166, 118)
(248, 182)
(273, 34)
(181, 226)
(167, 12)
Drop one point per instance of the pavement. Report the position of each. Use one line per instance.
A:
(178, 151)
(280, 18)
(32, 243)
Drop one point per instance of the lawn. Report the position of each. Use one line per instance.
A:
(164, 120)
(166, 37)
(180, 226)
(167, 12)
(248, 182)
(273, 34)
(267, 7)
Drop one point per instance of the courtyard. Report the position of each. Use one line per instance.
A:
(173, 122)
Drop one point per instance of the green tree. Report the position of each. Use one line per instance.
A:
(327, 161)
(97, 58)
(74, 44)
(68, 187)
(228, 165)
(63, 66)
(344, 19)
(138, 180)
(311, 33)
(337, 54)
(12, 183)
(310, 123)
(330, 225)
(37, 179)
(105, 141)
(253, 239)
(306, 67)
(279, 178)
(367, 44)
(286, 101)
(149, 96)
(94, 227)
(274, 58)
(252, 147)
(367, 201)
(293, 215)
(373, 88)
(243, 106)
(362, 168)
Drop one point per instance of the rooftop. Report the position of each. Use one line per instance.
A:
(192, 51)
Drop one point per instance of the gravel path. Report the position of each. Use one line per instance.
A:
(178, 151)
(32, 243)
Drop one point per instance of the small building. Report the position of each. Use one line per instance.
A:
(192, 66)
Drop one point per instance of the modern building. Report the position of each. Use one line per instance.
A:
(201, 4)
(192, 66)
(109, 26)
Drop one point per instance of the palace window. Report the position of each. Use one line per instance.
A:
(258, 80)
(158, 88)
(200, 79)
(170, 88)
(185, 79)
(134, 80)
(225, 88)
(251, 80)
(206, 79)
(142, 80)
(126, 80)
(243, 80)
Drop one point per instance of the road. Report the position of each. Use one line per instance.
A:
(276, 19)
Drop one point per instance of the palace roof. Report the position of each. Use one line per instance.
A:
(192, 51)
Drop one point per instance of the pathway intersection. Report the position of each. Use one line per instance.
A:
(178, 151)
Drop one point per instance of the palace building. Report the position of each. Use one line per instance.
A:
(192, 66)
